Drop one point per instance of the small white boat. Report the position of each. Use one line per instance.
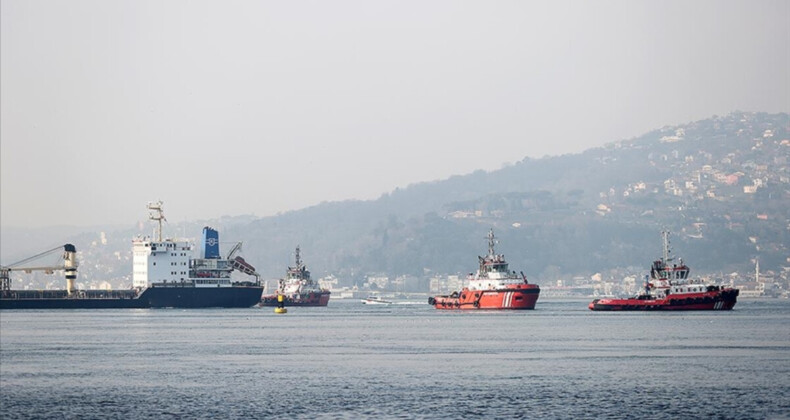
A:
(376, 300)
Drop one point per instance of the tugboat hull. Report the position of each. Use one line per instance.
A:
(721, 300)
(309, 299)
(519, 297)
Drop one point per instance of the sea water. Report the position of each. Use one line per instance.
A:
(350, 360)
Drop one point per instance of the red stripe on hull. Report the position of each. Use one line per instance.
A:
(515, 297)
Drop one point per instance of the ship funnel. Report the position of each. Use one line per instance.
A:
(210, 243)
(70, 267)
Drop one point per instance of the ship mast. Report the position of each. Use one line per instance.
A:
(157, 214)
(491, 242)
(298, 259)
(665, 237)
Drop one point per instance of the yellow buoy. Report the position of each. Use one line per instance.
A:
(280, 309)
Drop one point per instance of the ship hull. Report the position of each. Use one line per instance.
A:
(723, 300)
(310, 299)
(511, 298)
(154, 297)
(202, 297)
(71, 303)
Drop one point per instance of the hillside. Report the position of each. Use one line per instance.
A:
(720, 185)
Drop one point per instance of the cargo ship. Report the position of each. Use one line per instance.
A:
(297, 288)
(164, 276)
(494, 286)
(669, 288)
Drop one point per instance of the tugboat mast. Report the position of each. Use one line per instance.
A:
(298, 259)
(491, 242)
(665, 237)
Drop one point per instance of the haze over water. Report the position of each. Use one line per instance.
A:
(350, 360)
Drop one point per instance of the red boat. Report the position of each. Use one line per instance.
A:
(669, 288)
(494, 286)
(297, 288)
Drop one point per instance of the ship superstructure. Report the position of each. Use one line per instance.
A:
(163, 262)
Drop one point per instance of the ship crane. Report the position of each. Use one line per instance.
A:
(68, 264)
(238, 263)
(236, 248)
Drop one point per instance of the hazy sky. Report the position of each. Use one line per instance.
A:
(258, 107)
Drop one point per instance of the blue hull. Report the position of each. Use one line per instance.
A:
(202, 297)
(154, 297)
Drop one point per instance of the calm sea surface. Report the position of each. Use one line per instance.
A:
(351, 360)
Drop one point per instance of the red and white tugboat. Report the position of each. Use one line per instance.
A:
(669, 288)
(297, 288)
(494, 286)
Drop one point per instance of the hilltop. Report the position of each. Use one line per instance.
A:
(720, 185)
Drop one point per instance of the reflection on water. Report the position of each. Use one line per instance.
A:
(350, 360)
